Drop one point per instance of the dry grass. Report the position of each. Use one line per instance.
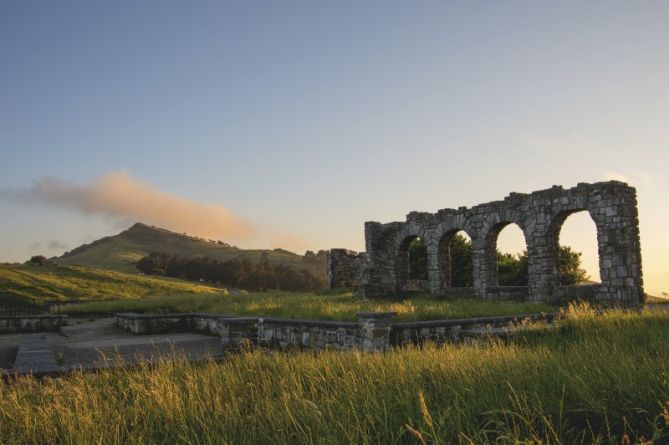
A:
(596, 379)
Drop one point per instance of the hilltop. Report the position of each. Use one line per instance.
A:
(121, 252)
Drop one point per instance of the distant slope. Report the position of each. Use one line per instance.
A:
(121, 252)
(85, 283)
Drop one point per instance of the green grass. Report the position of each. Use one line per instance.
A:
(85, 283)
(596, 379)
(342, 306)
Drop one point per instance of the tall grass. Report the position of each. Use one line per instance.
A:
(342, 306)
(596, 379)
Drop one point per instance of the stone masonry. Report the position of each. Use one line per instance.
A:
(540, 215)
(344, 268)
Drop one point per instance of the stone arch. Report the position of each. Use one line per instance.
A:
(552, 257)
(402, 243)
(491, 238)
(444, 257)
(496, 220)
(612, 205)
(443, 235)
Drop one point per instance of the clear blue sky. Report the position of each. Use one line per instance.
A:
(308, 118)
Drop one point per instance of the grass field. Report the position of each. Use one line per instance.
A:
(122, 292)
(341, 306)
(85, 283)
(596, 379)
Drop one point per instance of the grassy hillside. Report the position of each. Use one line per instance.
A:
(84, 283)
(121, 252)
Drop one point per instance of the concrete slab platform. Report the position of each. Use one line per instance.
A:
(34, 355)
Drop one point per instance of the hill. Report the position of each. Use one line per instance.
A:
(121, 252)
(20, 282)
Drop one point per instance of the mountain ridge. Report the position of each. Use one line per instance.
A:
(122, 251)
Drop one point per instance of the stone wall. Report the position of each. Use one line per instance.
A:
(373, 331)
(344, 269)
(519, 293)
(31, 323)
(309, 334)
(458, 330)
(540, 215)
(564, 294)
(370, 333)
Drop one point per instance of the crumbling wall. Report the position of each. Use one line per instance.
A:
(344, 269)
(540, 215)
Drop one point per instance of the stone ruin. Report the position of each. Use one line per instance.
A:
(383, 270)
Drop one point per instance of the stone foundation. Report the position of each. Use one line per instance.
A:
(373, 332)
(31, 323)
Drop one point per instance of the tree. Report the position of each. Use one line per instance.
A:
(243, 274)
(570, 267)
(512, 269)
(38, 259)
(417, 260)
(462, 264)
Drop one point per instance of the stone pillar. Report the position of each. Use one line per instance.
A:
(433, 272)
(375, 330)
(614, 209)
(543, 268)
(479, 266)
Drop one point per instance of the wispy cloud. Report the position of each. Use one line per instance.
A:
(124, 199)
(633, 178)
(49, 246)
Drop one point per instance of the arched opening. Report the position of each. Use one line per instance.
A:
(417, 260)
(412, 265)
(455, 260)
(578, 250)
(510, 256)
(573, 255)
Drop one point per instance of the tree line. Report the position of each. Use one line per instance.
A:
(242, 274)
(512, 269)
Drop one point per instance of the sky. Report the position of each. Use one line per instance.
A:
(289, 124)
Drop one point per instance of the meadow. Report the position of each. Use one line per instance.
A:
(322, 306)
(33, 282)
(594, 379)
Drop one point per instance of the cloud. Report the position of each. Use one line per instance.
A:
(53, 245)
(633, 178)
(124, 199)
(56, 245)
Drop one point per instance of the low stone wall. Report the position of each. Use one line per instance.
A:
(239, 332)
(456, 330)
(565, 294)
(370, 333)
(31, 323)
(519, 293)
(373, 331)
(457, 292)
(308, 334)
(202, 323)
